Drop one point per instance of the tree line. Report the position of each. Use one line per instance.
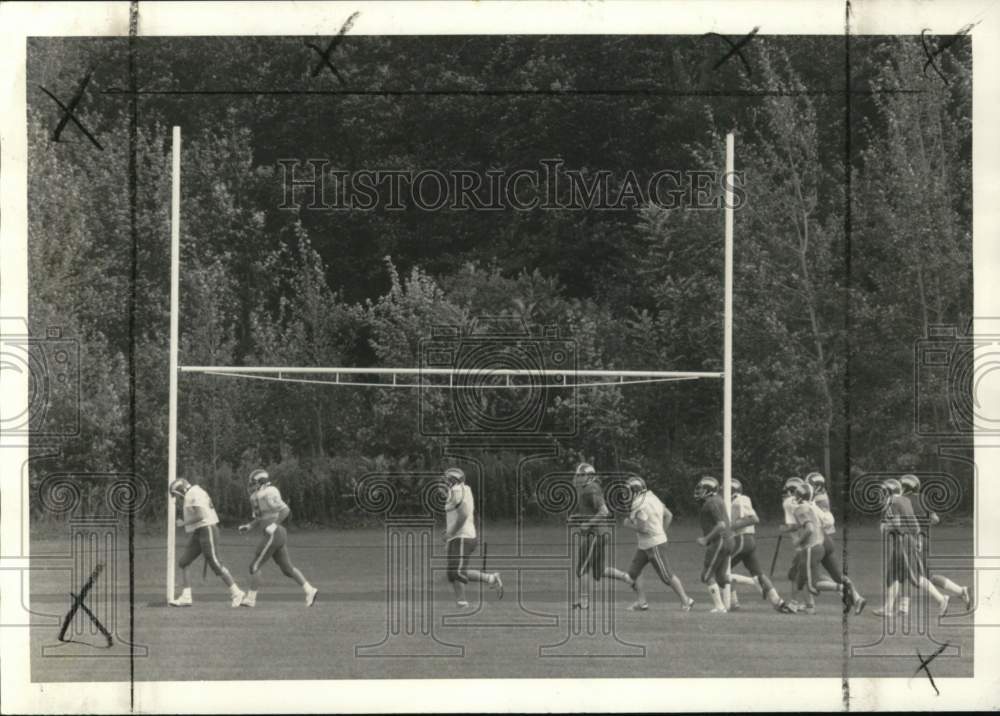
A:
(847, 253)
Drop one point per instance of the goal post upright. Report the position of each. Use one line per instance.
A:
(727, 360)
(175, 256)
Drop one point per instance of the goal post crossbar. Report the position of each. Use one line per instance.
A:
(277, 370)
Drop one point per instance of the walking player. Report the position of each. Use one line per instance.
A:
(202, 524)
(270, 511)
(650, 519)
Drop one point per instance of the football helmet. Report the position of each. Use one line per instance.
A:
(584, 474)
(636, 485)
(910, 484)
(258, 479)
(179, 487)
(816, 481)
(737, 487)
(790, 485)
(803, 492)
(892, 486)
(454, 476)
(706, 487)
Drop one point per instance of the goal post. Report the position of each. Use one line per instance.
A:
(727, 350)
(175, 260)
(335, 376)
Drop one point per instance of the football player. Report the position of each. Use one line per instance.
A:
(650, 519)
(593, 540)
(717, 539)
(926, 519)
(788, 503)
(808, 540)
(904, 562)
(202, 525)
(269, 511)
(745, 522)
(831, 562)
(460, 538)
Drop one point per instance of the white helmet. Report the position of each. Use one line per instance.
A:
(454, 476)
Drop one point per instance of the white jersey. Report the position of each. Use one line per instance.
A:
(460, 507)
(827, 520)
(198, 509)
(788, 504)
(647, 513)
(743, 507)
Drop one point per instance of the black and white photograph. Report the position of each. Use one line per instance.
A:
(499, 356)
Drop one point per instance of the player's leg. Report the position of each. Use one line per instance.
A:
(917, 576)
(209, 537)
(585, 560)
(284, 562)
(808, 567)
(191, 552)
(639, 560)
(952, 589)
(456, 570)
(831, 563)
(714, 560)
(722, 574)
(475, 575)
(662, 568)
(268, 545)
(762, 581)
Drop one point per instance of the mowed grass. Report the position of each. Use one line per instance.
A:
(282, 639)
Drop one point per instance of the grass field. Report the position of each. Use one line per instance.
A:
(281, 639)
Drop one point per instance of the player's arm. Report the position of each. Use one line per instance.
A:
(462, 515)
(599, 516)
(748, 520)
(933, 517)
(668, 517)
(199, 512)
(719, 528)
(804, 534)
(790, 524)
(254, 521)
(717, 511)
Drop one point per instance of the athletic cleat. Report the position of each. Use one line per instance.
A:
(237, 599)
(717, 610)
(497, 584)
(248, 602)
(943, 609)
(847, 598)
(735, 607)
(859, 605)
(786, 608)
(180, 602)
(311, 596)
(582, 604)
(810, 610)
(462, 604)
(967, 599)
(639, 607)
(687, 607)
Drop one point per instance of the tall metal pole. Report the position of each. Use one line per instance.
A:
(727, 379)
(727, 359)
(175, 257)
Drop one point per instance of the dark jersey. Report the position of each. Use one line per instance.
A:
(899, 513)
(713, 511)
(589, 501)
